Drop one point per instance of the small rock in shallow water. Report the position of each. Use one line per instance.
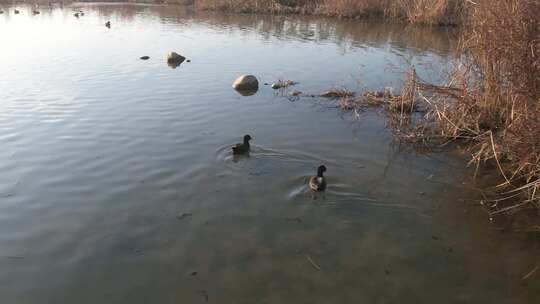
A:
(246, 92)
(246, 83)
(145, 57)
(175, 57)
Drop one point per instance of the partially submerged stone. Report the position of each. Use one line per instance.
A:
(246, 83)
(246, 92)
(174, 57)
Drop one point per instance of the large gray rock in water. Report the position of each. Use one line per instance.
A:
(246, 83)
(174, 57)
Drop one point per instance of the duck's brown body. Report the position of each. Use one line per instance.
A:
(318, 183)
(243, 148)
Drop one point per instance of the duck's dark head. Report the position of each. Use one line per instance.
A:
(321, 170)
(247, 138)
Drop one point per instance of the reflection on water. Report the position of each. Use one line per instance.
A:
(118, 184)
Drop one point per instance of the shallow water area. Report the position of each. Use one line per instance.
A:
(118, 183)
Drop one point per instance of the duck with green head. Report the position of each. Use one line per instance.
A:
(318, 182)
(243, 148)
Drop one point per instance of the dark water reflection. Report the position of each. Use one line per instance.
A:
(102, 154)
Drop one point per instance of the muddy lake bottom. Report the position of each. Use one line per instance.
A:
(118, 184)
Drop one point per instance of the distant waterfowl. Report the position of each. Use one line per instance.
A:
(145, 57)
(76, 15)
(35, 12)
(318, 183)
(108, 24)
(242, 148)
(81, 13)
(16, 11)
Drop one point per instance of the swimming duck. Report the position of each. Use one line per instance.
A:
(16, 11)
(76, 15)
(318, 183)
(108, 24)
(242, 148)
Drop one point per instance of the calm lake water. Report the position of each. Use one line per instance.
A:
(117, 184)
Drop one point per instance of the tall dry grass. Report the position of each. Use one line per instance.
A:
(492, 102)
(413, 11)
(502, 38)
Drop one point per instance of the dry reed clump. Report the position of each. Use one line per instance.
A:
(501, 109)
(403, 104)
(337, 93)
(283, 83)
(491, 103)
